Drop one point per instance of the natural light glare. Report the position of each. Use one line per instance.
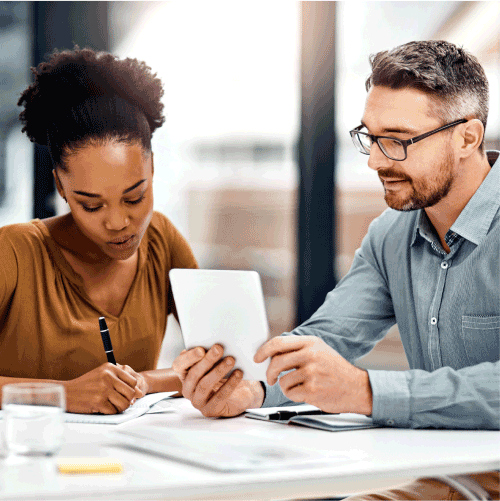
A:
(231, 73)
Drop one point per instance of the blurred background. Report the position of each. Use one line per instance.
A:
(254, 164)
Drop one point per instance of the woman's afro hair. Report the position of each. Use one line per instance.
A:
(73, 77)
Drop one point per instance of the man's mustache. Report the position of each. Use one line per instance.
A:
(389, 174)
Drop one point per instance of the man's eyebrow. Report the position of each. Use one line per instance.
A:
(96, 195)
(397, 130)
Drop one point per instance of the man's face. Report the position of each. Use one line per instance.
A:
(428, 173)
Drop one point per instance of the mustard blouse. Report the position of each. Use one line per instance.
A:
(48, 325)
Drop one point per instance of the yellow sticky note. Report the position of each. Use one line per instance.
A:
(89, 465)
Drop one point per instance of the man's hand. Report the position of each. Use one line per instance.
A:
(203, 376)
(107, 389)
(321, 377)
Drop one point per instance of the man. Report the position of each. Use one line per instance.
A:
(429, 263)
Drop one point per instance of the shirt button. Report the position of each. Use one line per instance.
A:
(434, 321)
(390, 422)
(444, 265)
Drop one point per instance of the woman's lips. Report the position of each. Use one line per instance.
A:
(122, 243)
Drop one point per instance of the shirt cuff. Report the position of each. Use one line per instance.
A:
(391, 398)
(274, 396)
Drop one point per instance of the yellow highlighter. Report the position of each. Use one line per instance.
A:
(89, 465)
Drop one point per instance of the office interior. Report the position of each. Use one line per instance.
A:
(254, 164)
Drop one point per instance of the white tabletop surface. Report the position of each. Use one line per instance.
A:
(381, 457)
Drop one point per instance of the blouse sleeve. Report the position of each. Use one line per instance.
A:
(8, 272)
(181, 256)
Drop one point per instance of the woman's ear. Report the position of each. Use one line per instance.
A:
(152, 164)
(58, 184)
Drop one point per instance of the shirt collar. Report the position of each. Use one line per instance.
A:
(475, 219)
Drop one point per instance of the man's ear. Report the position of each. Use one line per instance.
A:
(58, 184)
(471, 136)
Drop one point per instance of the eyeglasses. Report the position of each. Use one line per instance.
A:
(395, 149)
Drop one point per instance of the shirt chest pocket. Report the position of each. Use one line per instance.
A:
(481, 336)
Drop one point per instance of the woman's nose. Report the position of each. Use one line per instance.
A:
(116, 220)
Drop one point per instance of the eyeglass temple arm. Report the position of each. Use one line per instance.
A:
(427, 134)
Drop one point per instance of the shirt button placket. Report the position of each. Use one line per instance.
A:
(434, 350)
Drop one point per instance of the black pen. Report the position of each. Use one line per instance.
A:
(106, 341)
(285, 415)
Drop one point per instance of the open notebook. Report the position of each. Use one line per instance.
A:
(140, 407)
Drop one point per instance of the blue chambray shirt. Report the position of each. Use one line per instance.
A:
(447, 307)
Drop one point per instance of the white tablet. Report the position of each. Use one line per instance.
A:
(225, 307)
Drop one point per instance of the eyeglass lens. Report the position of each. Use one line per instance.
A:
(391, 147)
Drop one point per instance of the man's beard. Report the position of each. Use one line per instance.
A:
(424, 192)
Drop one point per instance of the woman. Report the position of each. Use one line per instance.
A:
(109, 256)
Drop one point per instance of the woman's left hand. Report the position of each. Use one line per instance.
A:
(142, 387)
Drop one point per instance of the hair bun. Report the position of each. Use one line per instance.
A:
(69, 78)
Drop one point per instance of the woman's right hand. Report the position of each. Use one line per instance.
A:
(203, 376)
(107, 389)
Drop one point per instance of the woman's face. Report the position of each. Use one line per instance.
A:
(109, 189)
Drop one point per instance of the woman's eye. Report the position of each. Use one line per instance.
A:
(90, 209)
(136, 201)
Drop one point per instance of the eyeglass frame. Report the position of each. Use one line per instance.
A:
(404, 142)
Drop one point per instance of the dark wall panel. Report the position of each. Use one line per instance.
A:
(61, 25)
(316, 251)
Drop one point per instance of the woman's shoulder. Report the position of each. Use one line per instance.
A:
(19, 235)
(163, 234)
(162, 228)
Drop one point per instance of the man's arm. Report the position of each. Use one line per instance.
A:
(467, 398)
(355, 315)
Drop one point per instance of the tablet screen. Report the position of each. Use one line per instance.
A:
(225, 307)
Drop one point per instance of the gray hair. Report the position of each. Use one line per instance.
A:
(452, 78)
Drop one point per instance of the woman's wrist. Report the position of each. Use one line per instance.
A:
(162, 380)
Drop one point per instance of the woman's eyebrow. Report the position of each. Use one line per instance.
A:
(96, 195)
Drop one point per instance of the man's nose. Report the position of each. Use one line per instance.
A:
(377, 159)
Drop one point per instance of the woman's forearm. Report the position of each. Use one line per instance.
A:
(162, 380)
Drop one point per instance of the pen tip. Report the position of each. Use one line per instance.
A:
(102, 324)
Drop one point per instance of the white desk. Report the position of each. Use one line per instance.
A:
(390, 456)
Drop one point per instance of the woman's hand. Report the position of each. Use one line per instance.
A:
(142, 386)
(203, 382)
(107, 389)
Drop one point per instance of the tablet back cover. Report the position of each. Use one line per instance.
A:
(225, 307)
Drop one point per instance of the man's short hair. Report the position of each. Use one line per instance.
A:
(452, 77)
